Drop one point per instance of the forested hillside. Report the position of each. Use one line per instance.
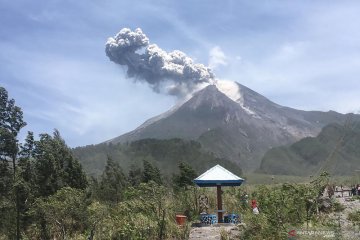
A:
(336, 149)
(165, 154)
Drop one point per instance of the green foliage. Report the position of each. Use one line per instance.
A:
(283, 207)
(166, 154)
(354, 217)
(186, 200)
(258, 227)
(25, 162)
(7, 208)
(34, 169)
(112, 183)
(6, 180)
(55, 167)
(8, 145)
(151, 173)
(337, 207)
(11, 122)
(135, 175)
(65, 213)
(185, 177)
(11, 116)
(146, 212)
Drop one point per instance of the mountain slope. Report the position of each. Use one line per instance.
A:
(234, 122)
(336, 149)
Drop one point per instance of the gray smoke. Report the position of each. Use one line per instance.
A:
(173, 72)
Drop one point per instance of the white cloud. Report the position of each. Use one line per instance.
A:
(217, 58)
(238, 58)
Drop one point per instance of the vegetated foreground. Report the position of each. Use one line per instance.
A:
(45, 194)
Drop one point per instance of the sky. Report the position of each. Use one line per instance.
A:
(301, 54)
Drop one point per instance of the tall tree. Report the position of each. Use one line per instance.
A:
(112, 182)
(55, 166)
(11, 122)
(135, 175)
(25, 158)
(151, 173)
(25, 186)
(185, 177)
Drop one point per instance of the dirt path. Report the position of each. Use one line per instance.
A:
(350, 206)
(213, 232)
(348, 230)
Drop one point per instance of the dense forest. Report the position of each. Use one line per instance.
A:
(166, 154)
(46, 194)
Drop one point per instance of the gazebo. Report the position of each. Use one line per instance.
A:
(216, 177)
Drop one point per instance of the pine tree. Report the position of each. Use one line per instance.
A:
(151, 173)
(135, 175)
(186, 176)
(11, 122)
(112, 182)
(55, 166)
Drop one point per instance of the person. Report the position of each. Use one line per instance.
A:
(358, 189)
(353, 191)
(254, 206)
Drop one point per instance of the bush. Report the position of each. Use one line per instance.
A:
(354, 217)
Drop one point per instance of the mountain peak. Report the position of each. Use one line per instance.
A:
(230, 89)
(233, 121)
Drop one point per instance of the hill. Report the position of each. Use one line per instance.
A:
(234, 122)
(336, 149)
(165, 154)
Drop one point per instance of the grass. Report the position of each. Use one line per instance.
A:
(258, 178)
(267, 179)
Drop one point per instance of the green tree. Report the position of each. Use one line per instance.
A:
(25, 163)
(185, 177)
(112, 182)
(283, 207)
(11, 122)
(24, 186)
(7, 209)
(65, 214)
(135, 175)
(151, 173)
(55, 167)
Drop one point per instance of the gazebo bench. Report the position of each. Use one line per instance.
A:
(208, 218)
(231, 218)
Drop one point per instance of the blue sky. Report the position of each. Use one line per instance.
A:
(301, 54)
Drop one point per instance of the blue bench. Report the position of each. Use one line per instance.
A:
(208, 218)
(231, 218)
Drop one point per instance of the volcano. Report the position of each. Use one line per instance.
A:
(234, 122)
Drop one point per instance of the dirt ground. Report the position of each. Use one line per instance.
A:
(213, 232)
(348, 230)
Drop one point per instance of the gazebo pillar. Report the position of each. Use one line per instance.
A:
(219, 203)
(218, 176)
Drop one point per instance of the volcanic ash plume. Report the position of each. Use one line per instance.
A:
(174, 72)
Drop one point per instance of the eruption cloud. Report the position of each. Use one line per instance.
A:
(173, 72)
